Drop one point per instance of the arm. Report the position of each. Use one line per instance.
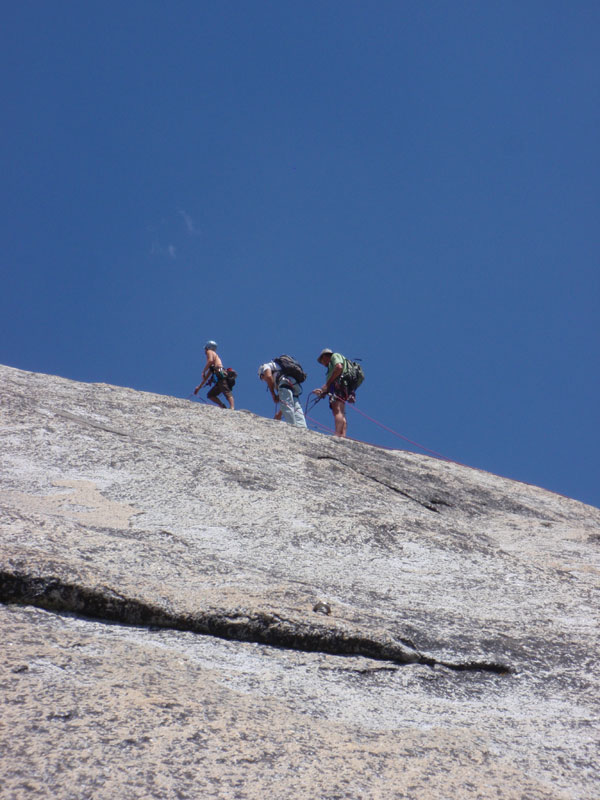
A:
(268, 377)
(337, 371)
(207, 371)
(200, 385)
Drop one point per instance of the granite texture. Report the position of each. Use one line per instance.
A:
(198, 603)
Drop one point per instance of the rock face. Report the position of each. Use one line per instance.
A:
(199, 603)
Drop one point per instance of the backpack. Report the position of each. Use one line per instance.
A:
(230, 377)
(353, 375)
(290, 367)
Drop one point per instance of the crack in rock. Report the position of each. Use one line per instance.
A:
(428, 506)
(90, 423)
(54, 594)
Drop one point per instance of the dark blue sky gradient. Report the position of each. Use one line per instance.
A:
(415, 184)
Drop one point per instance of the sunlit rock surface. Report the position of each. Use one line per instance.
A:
(199, 603)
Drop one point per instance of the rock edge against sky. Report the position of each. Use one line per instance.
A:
(198, 603)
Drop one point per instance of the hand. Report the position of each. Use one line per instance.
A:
(197, 389)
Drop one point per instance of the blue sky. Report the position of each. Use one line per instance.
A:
(412, 183)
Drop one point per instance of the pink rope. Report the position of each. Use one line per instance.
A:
(320, 424)
(405, 438)
(326, 428)
(395, 433)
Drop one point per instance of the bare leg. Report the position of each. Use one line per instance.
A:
(339, 416)
(214, 396)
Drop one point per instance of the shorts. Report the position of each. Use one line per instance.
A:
(339, 391)
(220, 387)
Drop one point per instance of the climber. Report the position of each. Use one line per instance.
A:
(342, 379)
(215, 373)
(285, 390)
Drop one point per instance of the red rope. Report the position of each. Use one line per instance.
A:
(324, 427)
(405, 438)
(320, 424)
(392, 431)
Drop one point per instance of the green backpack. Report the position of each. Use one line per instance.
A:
(353, 375)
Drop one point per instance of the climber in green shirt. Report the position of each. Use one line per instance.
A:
(335, 388)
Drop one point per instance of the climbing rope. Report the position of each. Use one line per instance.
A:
(193, 397)
(323, 428)
(320, 427)
(381, 425)
(401, 436)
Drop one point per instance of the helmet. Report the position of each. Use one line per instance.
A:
(262, 369)
(210, 345)
(325, 352)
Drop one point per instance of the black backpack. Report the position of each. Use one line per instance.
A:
(353, 376)
(230, 377)
(290, 367)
